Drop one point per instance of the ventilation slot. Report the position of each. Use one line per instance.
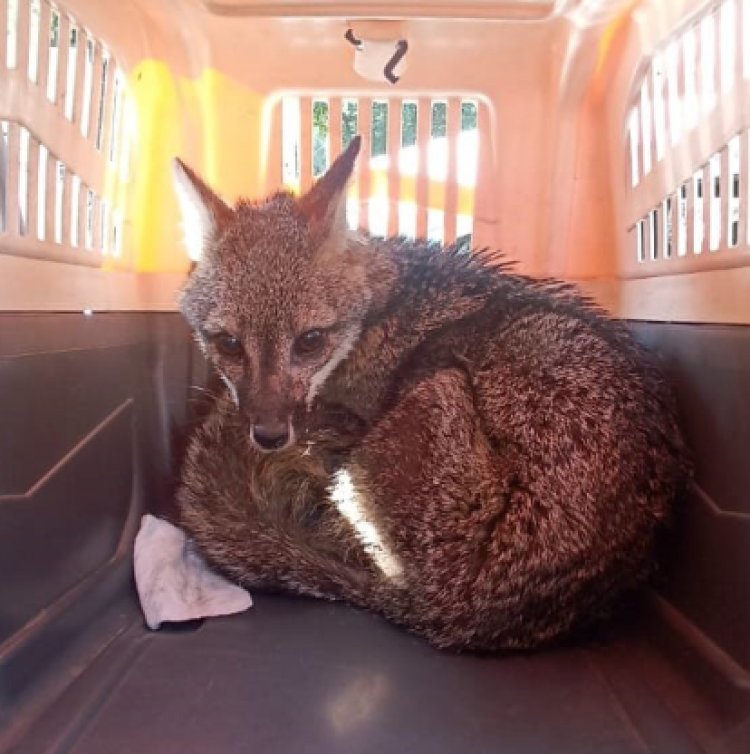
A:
(667, 226)
(717, 193)
(54, 202)
(417, 171)
(728, 46)
(658, 76)
(682, 231)
(692, 90)
(714, 231)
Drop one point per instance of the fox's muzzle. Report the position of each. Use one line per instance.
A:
(267, 407)
(273, 435)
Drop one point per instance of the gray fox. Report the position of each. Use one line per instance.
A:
(481, 457)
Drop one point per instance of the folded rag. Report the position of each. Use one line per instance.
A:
(174, 582)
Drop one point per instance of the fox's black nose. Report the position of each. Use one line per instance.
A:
(273, 436)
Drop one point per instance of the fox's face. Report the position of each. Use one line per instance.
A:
(278, 298)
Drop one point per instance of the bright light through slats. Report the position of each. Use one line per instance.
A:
(394, 188)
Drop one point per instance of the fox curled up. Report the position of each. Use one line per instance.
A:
(480, 457)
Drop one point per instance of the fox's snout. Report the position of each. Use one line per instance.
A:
(270, 419)
(272, 434)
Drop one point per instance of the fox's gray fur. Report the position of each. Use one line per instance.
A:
(513, 448)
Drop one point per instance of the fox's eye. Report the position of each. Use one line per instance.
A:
(228, 345)
(309, 342)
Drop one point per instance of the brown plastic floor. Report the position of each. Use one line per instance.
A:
(298, 676)
(79, 674)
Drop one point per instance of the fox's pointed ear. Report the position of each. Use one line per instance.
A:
(204, 214)
(324, 205)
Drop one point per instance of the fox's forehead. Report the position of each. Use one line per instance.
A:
(260, 254)
(263, 277)
(262, 300)
(274, 219)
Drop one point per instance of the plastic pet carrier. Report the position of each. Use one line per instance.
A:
(604, 142)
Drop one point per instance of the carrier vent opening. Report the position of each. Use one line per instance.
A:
(690, 192)
(66, 167)
(417, 172)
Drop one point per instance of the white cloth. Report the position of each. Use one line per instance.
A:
(174, 582)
